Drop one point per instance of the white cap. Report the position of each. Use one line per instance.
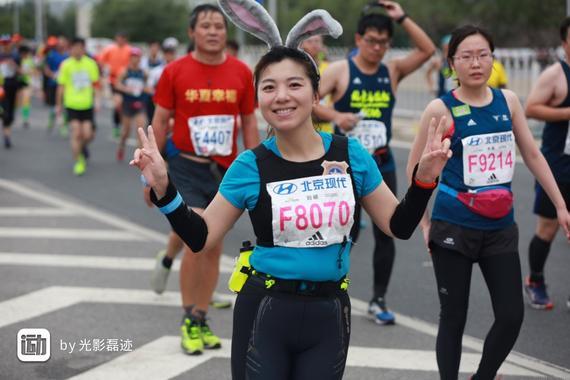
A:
(170, 43)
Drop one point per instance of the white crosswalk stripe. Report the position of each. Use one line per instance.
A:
(162, 358)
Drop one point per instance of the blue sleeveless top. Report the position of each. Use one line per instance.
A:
(554, 139)
(372, 97)
(138, 78)
(471, 121)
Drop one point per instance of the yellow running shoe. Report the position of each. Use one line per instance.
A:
(192, 337)
(210, 340)
(79, 167)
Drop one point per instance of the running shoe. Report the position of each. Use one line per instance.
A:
(537, 295)
(210, 340)
(160, 274)
(219, 303)
(378, 310)
(80, 166)
(120, 154)
(192, 342)
(7, 142)
(64, 130)
(26, 125)
(116, 132)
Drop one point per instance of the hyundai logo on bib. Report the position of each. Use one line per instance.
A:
(475, 141)
(285, 188)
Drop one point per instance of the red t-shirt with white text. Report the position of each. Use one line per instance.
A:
(198, 93)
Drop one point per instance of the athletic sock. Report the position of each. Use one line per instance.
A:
(537, 254)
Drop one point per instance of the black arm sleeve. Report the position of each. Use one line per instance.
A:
(410, 210)
(190, 226)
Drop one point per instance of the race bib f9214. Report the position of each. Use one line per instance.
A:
(488, 159)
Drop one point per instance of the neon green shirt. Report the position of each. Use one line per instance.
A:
(78, 76)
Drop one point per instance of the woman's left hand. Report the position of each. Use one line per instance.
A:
(564, 221)
(436, 152)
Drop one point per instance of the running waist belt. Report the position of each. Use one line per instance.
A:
(494, 202)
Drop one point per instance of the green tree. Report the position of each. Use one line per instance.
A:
(141, 20)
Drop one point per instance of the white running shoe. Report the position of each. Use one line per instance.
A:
(159, 274)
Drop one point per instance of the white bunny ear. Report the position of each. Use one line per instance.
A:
(253, 18)
(318, 21)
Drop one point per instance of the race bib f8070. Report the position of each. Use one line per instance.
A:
(372, 134)
(212, 135)
(312, 211)
(488, 159)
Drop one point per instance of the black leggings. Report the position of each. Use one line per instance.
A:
(384, 247)
(280, 336)
(502, 274)
(9, 103)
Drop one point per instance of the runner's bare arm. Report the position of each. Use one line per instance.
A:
(160, 125)
(534, 159)
(539, 104)
(119, 83)
(434, 66)
(250, 131)
(328, 86)
(424, 47)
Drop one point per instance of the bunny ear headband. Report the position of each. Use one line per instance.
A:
(254, 19)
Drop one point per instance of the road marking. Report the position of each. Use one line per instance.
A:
(359, 306)
(101, 216)
(163, 359)
(34, 211)
(69, 233)
(51, 299)
(160, 359)
(91, 262)
(472, 343)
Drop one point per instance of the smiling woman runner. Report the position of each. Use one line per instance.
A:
(473, 216)
(300, 186)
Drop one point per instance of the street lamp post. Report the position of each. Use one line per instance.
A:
(39, 16)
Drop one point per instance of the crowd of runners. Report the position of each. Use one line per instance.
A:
(329, 138)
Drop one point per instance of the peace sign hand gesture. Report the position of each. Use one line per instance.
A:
(150, 163)
(436, 152)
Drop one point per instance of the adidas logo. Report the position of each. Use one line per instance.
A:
(449, 241)
(316, 239)
(492, 178)
(356, 81)
(471, 123)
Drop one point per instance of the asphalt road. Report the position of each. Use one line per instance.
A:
(76, 256)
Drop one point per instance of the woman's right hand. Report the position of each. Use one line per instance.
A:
(150, 163)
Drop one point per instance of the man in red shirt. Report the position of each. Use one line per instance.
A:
(115, 58)
(206, 92)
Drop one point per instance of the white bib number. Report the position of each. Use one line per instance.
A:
(372, 134)
(212, 135)
(80, 80)
(7, 69)
(567, 144)
(135, 86)
(488, 159)
(313, 211)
